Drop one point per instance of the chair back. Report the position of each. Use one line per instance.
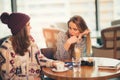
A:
(48, 52)
(50, 36)
(111, 39)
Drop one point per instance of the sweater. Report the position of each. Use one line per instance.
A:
(16, 67)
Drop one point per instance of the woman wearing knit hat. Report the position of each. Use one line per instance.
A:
(19, 55)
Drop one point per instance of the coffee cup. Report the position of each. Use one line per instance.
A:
(60, 66)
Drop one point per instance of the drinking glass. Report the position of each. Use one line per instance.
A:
(76, 59)
(76, 64)
(77, 52)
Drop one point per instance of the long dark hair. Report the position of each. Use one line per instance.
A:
(82, 26)
(21, 42)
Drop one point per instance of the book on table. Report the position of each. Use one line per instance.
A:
(115, 66)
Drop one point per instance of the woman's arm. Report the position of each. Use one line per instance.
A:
(44, 61)
(62, 46)
(70, 41)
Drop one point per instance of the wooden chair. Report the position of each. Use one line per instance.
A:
(50, 36)
(111, 43)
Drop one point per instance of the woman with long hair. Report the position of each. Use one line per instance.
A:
(20, 57)
(77, 34)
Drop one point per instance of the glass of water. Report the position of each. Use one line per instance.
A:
(76, 64)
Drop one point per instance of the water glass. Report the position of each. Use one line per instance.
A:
(76, 65)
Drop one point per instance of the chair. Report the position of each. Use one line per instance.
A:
(111, 43)
(50, 36)
(48, 52)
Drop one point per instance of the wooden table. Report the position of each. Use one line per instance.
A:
(87, 72)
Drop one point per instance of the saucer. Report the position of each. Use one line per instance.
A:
(55, 70)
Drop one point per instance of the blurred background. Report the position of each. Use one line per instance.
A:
(98, 14)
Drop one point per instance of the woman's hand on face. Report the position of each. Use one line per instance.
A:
(72, 39)
(82, 34)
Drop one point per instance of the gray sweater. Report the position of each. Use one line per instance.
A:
(61, 53)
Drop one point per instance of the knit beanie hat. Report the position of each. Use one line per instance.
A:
(15, 21)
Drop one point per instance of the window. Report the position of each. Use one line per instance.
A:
(4, 31)
(45, 13)
(109, 11)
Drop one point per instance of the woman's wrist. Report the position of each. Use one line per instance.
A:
(49, 63)
(68, 42)
(67, 45)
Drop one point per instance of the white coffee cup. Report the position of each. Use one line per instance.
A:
(60, 66)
